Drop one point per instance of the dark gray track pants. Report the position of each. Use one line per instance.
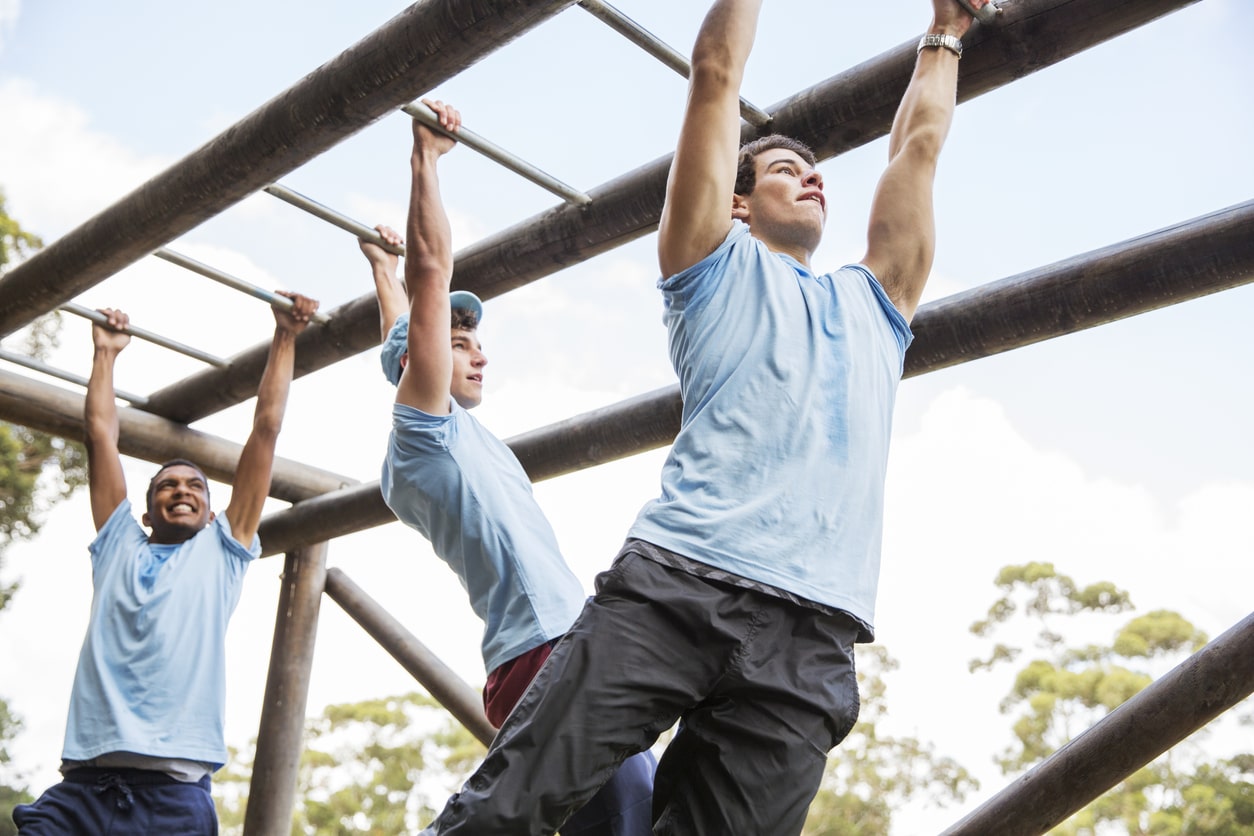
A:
(763, 689)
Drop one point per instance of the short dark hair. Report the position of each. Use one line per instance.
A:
(746, 172)
(465, 319)
(152, 483)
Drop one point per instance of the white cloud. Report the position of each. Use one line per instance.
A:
(10, 11)
(59, 170)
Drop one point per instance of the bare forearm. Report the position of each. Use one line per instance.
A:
(927, 108)
(391, 295)
(726, 37)
(276, 382)
(429, 251)
(100, 408)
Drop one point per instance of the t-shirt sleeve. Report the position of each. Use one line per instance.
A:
(120, 535)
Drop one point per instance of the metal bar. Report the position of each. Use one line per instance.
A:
(1192, 694)
(1192, 259)
(331, 216)
(54, 410)
(69, 377)
(461, 700)
(422, 47)
(280, 735)
(844, 112)
(317, 346)
(156, 339)
(233, 282)
(499, 155)
(662, 51)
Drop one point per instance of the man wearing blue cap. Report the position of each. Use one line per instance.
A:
(462, 487)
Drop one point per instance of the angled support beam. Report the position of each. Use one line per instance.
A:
(462, 701)
(1192, 694)
(1205, 255)
(54, 410)
(428, 43)
(840, 114)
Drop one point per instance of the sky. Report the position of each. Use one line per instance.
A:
(1119, 453)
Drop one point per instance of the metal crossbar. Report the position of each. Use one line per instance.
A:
(233, 282)
(148, 336)
(662, 51)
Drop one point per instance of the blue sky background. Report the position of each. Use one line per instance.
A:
(1120, 453)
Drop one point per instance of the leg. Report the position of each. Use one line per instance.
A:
(750, 757)
(621, 676)
(623, 807)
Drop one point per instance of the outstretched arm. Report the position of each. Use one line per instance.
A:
(106, 482)
(252, 474)
(387, 286)
(901, 238)
(428, 270)
(697, 212)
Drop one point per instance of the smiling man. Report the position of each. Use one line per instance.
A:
(148, 706)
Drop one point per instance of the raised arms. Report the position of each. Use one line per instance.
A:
(252, 474)
(697, 212)
(387, 286)
(901, 237)
(106, 482)
(424, 383)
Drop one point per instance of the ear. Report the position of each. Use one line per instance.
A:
(145, 520)
(212, 516)
(740, 208)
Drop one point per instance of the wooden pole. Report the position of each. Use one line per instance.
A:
(51, 409)
(840, 114)
(462, 701)
(1191, 259)
(1197, 691)
(280, 736)
(423, 46)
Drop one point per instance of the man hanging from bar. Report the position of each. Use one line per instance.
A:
(462, 488)
(147, 709)
(734, 606)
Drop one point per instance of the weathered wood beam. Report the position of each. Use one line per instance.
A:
(461, 700)
(1192, 694)
(428, 43)
(837, 115)
(281, 733)
(1205, 255)
(57, 411)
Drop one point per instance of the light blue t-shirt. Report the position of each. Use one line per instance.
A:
(151, 676)
(788, 383)
(463, 489)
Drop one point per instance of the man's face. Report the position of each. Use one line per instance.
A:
(468, 362)
(787, 208)
(180, 505)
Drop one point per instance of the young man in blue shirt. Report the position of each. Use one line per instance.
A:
(462, 488)
(148, 705)
(735, 604)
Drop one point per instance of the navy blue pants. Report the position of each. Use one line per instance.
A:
(107, 801)
(762, 688)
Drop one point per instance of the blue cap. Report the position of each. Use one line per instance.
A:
(397, 343)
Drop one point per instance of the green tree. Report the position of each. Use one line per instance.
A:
(36, 470)
(1065, 689)
(378, 767)
(871, 774)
